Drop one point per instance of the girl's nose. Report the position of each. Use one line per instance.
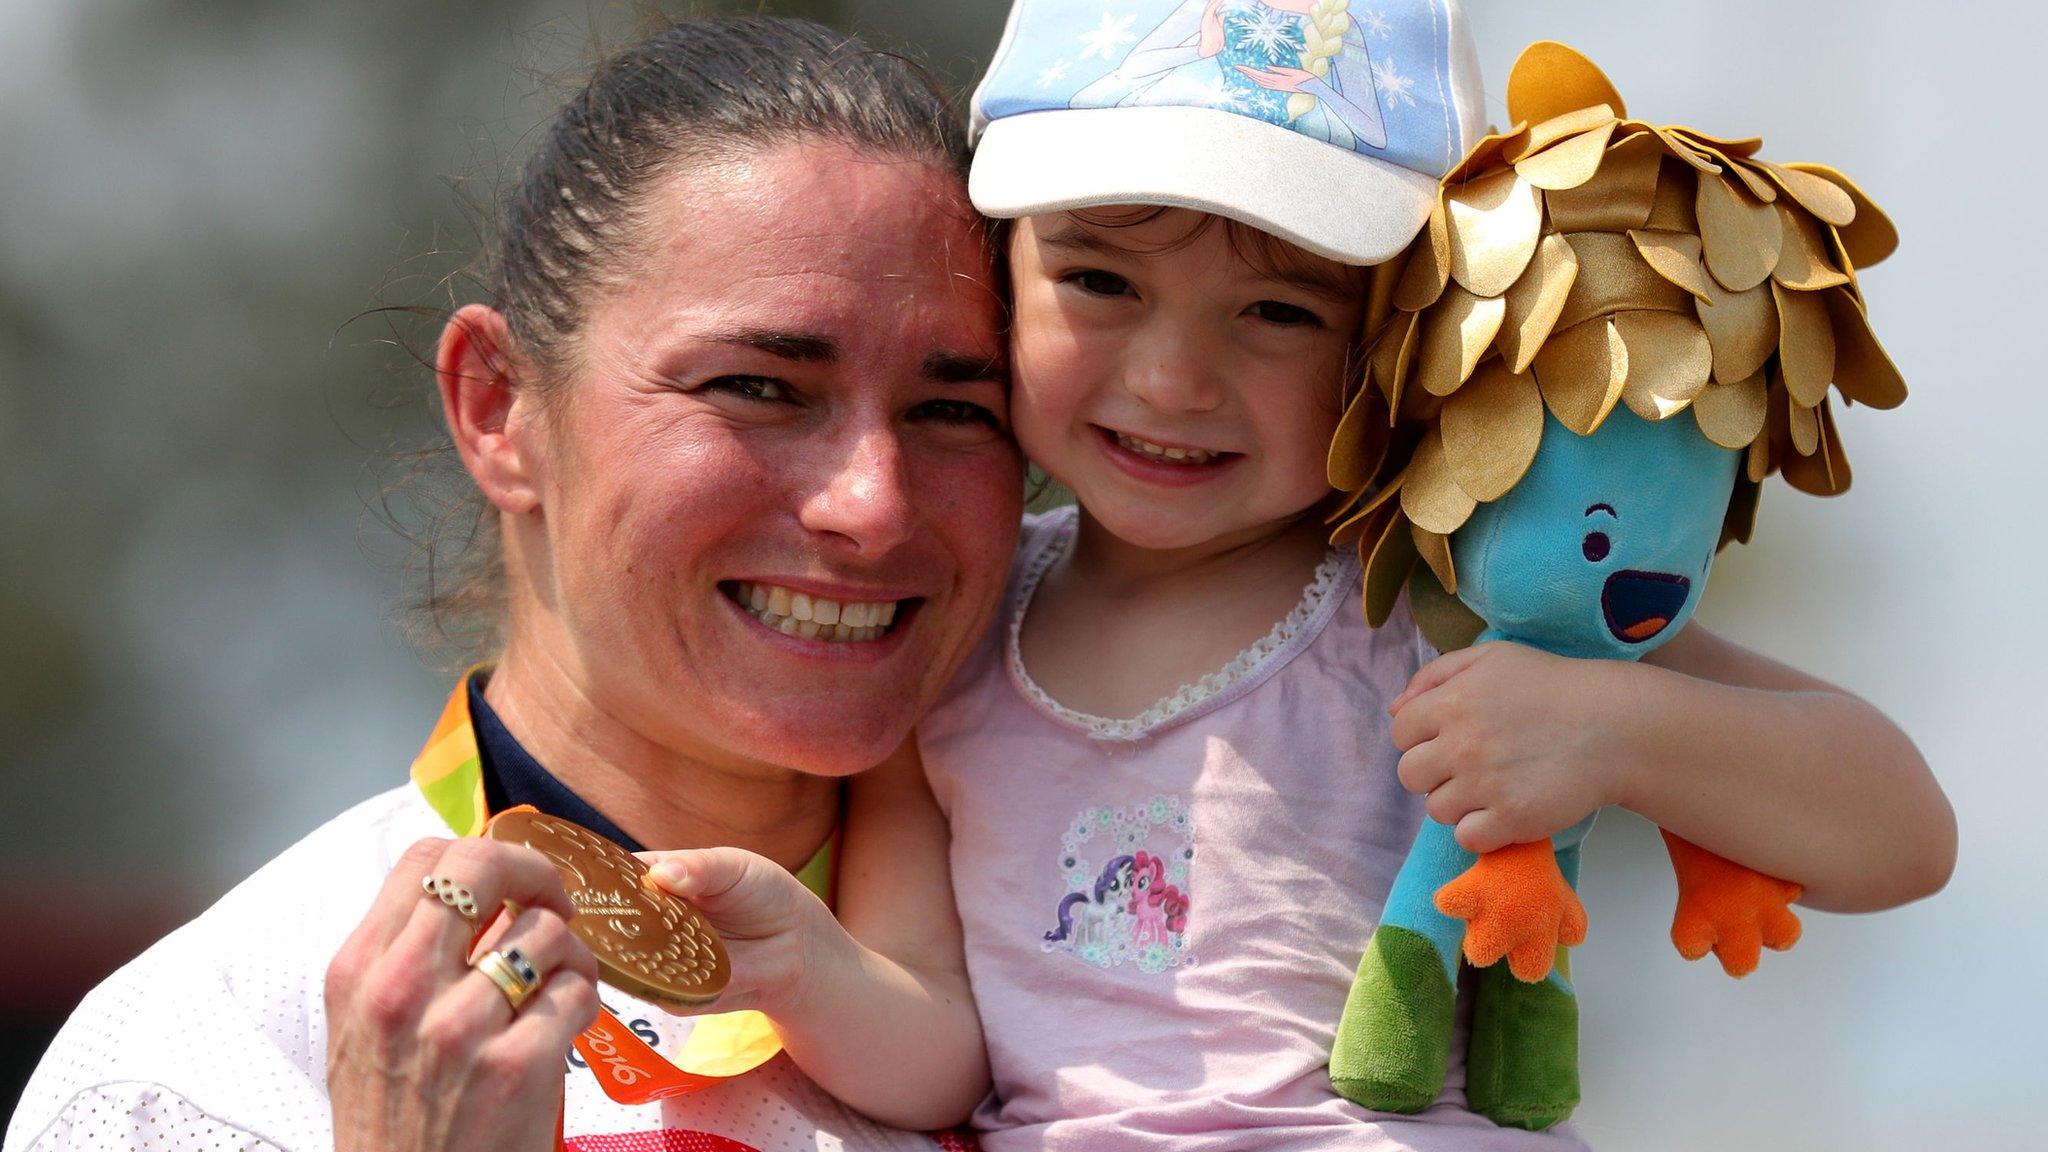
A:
(1171, 371)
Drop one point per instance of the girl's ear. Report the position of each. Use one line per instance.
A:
(474, 368)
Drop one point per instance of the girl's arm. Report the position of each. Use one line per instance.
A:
(1745, 757)
(874, 1006)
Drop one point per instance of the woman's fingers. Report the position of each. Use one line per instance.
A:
(490, 876)
(413, 945)
(396, 901)
(566, 1004)
(497, 874)
(475, 1006)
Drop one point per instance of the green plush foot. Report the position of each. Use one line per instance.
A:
(1395, 1038)
(1522, 1069)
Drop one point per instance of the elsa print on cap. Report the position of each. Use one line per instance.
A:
(1344, 108)
(1301, 64)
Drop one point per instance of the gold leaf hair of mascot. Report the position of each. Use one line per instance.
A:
(1581, 260)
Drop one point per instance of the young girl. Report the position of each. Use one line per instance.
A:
(1173, 770)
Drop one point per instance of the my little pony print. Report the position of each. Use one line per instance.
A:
(1133, 907)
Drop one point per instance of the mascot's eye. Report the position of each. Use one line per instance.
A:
(1595, 546)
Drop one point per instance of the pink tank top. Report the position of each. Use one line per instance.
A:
(1163, 913)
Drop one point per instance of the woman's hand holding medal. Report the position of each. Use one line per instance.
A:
(428, 1048)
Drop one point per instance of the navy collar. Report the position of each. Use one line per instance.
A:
(513, 777)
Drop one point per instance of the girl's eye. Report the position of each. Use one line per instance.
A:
(1595, 546)
(763, 388)
(1289, 315)
(1099, 283)
(955, 412)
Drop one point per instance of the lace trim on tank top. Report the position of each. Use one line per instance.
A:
(1245, 671)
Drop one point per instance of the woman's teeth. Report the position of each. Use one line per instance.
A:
(1152, 451)
(793, 613)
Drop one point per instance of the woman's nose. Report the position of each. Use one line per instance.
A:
(863, 495)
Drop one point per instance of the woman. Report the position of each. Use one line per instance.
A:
(744, 353)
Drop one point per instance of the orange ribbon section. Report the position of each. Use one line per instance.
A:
(628, 1070)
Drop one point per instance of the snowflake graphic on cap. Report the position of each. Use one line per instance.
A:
(1103, 40)
(1268, 31)
(1375, 22)
(1397, 88)
(1054, 73)
(1219, 94)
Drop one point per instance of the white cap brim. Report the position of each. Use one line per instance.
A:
(1348, 206)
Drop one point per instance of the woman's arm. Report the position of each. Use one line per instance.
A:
(874, 1006)
(1745, 757)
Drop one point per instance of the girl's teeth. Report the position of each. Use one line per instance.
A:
(1158, 452)
(814, 617)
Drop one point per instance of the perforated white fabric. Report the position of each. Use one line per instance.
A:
(215, 1039)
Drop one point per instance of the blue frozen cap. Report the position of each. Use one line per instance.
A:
(1326, 122)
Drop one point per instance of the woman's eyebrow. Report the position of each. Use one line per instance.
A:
(964, 368)
(801, 346)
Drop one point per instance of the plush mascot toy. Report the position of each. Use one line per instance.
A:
(1610, 334)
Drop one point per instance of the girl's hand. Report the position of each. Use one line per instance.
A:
(1512, 744)
(425, 1054)
(778, 934)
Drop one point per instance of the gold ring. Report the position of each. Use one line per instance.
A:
(511, 973)
(456, 896)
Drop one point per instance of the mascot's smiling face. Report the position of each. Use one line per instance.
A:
(1602, 549)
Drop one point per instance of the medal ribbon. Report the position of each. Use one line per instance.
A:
(449, 773)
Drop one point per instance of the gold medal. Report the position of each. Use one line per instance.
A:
(648, 943)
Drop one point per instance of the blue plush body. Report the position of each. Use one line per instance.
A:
(1600, 551)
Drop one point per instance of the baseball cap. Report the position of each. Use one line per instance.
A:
(1328, 123)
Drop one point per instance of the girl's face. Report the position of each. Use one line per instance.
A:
(1185, 394)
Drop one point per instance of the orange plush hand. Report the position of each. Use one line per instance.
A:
(1516, 904)
(1728, 909)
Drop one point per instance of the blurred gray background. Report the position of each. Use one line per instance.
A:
(200, 648)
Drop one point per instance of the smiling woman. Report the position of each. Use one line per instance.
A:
(737, 412)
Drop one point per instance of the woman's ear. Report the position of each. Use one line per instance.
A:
(474, 367)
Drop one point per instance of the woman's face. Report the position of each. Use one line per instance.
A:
(793, 406)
